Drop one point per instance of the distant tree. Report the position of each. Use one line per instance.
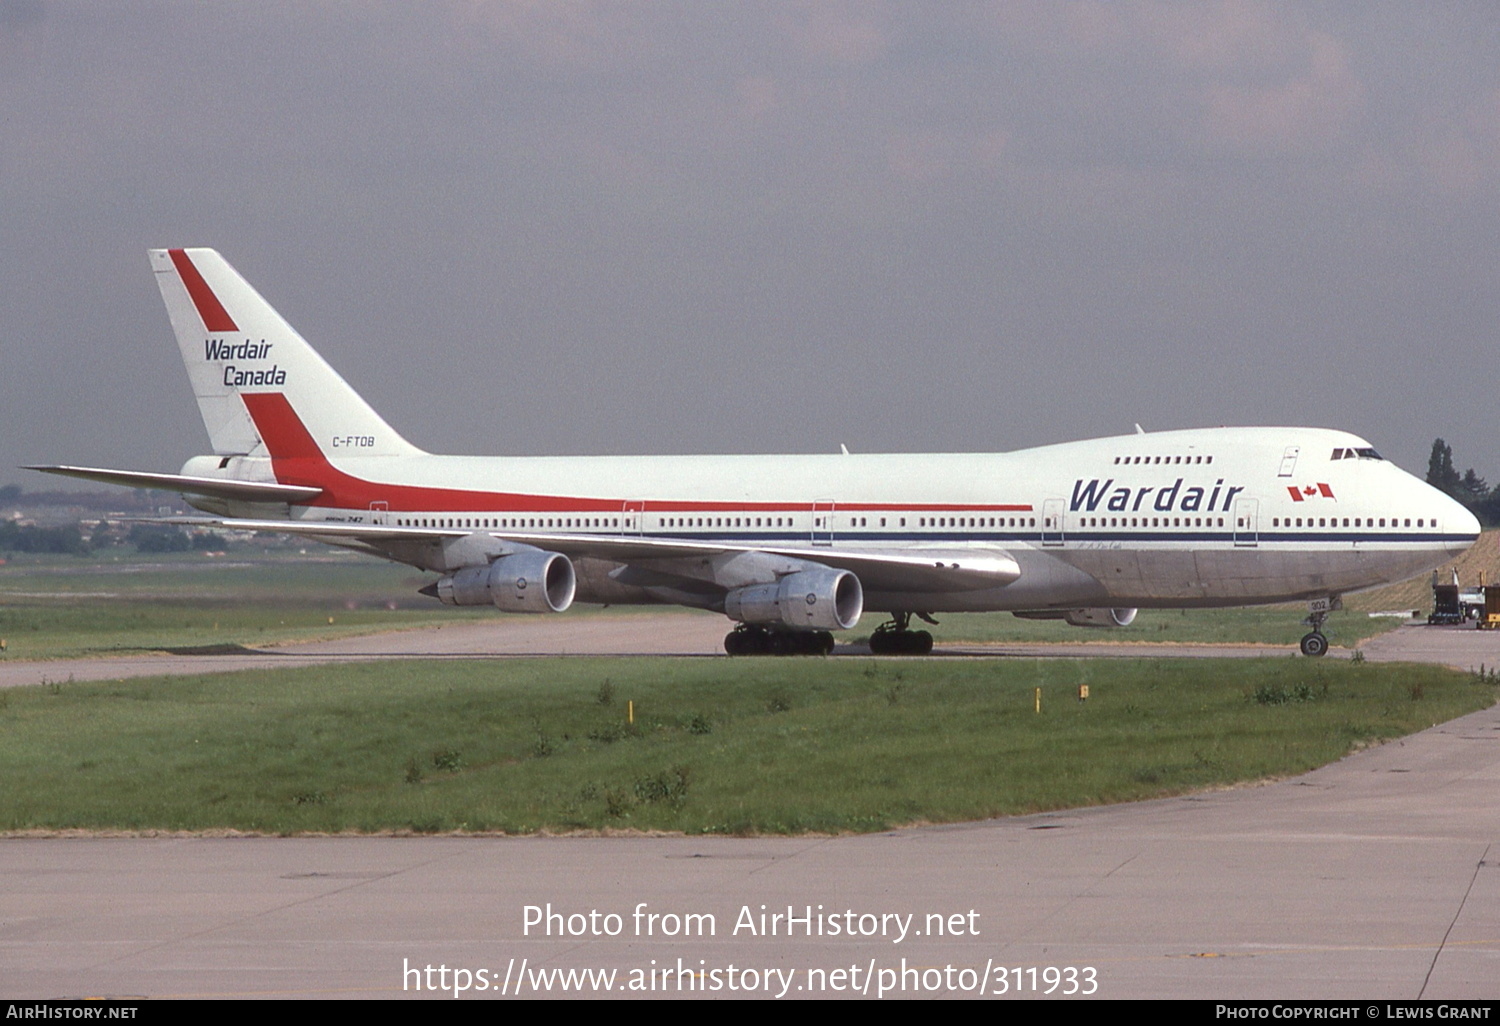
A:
(151, 538)
(1440, 471)
(1468, 488)
(64, 540)
(1488, 509)
(1472, 488)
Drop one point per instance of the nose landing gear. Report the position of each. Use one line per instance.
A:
(1314, 643)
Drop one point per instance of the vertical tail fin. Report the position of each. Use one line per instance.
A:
(240, 353)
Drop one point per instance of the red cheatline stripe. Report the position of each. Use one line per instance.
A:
(215, 317)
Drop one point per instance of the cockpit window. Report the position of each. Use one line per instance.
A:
(1350, 454)
(1368, 454)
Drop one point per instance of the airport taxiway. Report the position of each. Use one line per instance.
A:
(683, 634)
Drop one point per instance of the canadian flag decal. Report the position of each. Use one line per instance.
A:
(1310, 492)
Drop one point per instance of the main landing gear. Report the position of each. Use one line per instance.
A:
(1314, 643)
(753, 639)
(895, 638)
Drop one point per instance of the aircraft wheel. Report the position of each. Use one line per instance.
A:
(822, 643)
(896, 642)
(750, 641)
(1314, 644)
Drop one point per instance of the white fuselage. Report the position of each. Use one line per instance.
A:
(1214, 517)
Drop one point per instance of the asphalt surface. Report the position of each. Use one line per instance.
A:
(685, 634)
(1374, 879)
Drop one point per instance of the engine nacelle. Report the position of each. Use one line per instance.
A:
(1100, 617)
(524, 582)
(814, 600)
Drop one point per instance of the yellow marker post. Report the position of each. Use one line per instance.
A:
(630, 707)
(1038, 699)
(1083, 692)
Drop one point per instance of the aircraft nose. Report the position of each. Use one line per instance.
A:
(1463, 530)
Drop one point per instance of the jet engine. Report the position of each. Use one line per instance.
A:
(1100, 617)
(524, 582)
(824, 600)
(1082, 617)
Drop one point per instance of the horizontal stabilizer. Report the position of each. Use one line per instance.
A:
(219, 488)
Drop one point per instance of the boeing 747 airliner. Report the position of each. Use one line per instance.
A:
(791, 548)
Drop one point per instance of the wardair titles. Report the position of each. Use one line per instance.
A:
(216, 350)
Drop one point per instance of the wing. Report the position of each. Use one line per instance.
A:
(920, 569)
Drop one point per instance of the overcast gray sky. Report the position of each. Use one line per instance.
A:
(577, 227)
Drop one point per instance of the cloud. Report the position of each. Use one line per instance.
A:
(837, 32)
(1312, 107)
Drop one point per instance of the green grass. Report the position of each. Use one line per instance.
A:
(718, 746)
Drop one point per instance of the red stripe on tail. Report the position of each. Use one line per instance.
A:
(215, 317)
(285, 435)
